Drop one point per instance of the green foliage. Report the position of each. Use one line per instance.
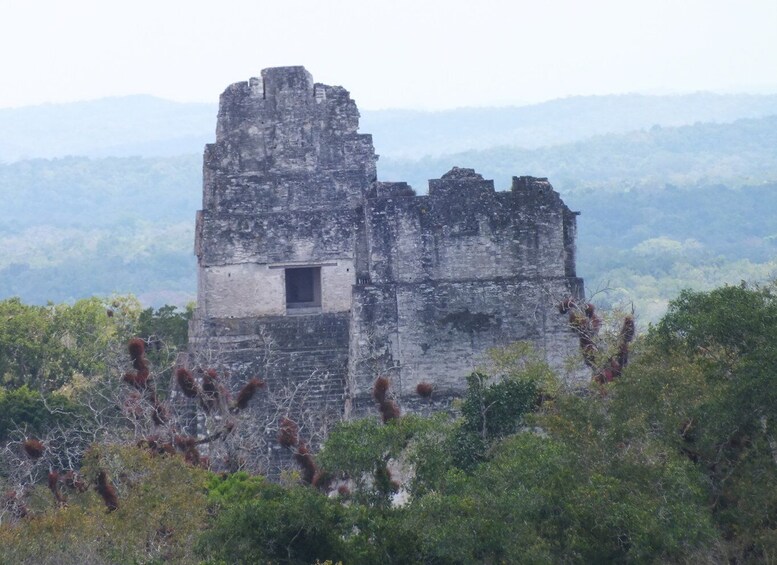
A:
(571, 492)
(537, 501)
(493, 410)
(704, 386)
(166, 325)
(362, 449)
(564, 484)
(489, 412)
(673, 462)
(741, 320)
(234, 488)
(467, 448)
(496, 410)
(45, 346)
(25, 409)
(58, 353)
(711, 361)
(256, 521)
(162, 510)
(263, 522)
(355, 447)
(166, 332)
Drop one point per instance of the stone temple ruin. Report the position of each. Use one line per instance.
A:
(311, 271)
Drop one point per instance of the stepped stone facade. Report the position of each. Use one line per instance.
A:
(313, 272)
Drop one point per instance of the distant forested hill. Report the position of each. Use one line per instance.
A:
(124, 126)
(76, 227)
(740, 153)
(415, 134)
(86, 192)
(150, 127)
(645, 246)
(662, 209)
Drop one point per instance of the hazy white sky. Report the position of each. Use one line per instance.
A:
(388, 53)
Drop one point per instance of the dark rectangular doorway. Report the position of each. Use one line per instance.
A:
(303, 287)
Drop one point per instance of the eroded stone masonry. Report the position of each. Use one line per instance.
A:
(314, 275)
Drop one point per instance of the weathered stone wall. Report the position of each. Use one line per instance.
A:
(416, 288)
(273, 132)
(283, 186)
(464, 229)
(281, 349)
(302, 359)
(456, 273)
(439, 332)
(256, 289)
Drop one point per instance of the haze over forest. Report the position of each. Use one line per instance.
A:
(674, 191)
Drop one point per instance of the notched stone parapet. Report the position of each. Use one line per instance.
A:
(459, 182)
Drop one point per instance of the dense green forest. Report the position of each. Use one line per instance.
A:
(644, 247)
(671, 461)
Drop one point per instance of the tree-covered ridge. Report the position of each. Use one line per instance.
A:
(735, 154)
(708, 237)
(80, 192)
(156, 276)
(410, 134)
(151, 127)
(120, 126)
(77, 227)
(673, 461)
